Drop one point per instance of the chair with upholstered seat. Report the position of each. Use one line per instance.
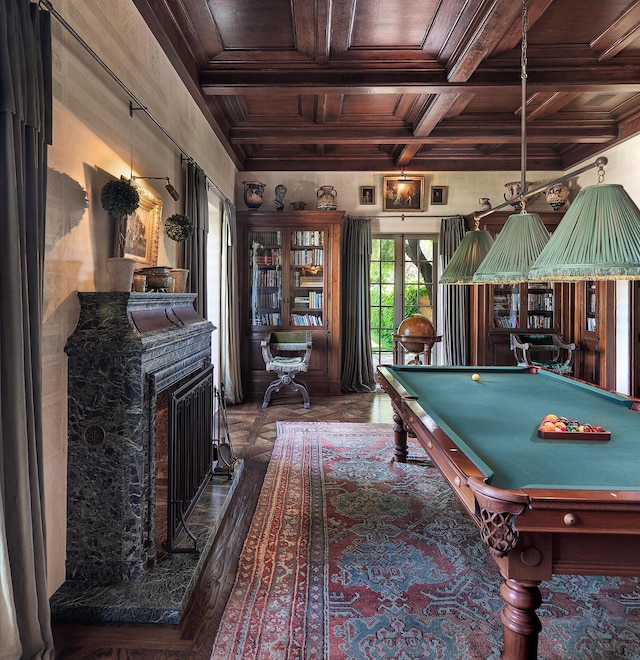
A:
(547, 351)
(286, 354)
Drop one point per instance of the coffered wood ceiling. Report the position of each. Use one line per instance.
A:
(343, 85)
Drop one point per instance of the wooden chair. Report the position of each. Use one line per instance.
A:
(548, 351)
(286, 354)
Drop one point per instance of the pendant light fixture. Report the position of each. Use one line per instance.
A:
(464, 262)
(597, 239)
(524, 235)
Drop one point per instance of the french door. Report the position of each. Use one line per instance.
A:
(402, 282)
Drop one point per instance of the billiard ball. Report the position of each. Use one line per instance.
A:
(475, 377)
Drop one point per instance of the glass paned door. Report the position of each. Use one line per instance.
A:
(402, 281)
(266, 277)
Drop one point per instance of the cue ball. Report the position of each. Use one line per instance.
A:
(475, 377)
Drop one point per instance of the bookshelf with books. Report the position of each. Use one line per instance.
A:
(291, 284)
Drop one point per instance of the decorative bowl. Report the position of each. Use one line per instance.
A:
(158, 278)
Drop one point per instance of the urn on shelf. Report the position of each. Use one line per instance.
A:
(120, 271)
(253, 194)
(557, 195)
(515, 190)
(327, 198)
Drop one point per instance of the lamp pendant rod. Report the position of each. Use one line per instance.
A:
(523, 108)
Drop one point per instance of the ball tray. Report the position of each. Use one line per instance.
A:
(595, 433)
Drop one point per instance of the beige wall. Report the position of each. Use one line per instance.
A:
(94, 138)
(464, 190)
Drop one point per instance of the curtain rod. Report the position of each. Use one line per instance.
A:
(47, 4)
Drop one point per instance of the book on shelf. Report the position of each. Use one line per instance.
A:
(311, 281)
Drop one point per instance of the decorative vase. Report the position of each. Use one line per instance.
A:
(253, 193)
(180, 276)
(327, 198)
(121, 273)
(485, 203)
(557, 195)
(159, 279)
(515, 190)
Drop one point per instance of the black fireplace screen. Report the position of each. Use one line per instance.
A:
(191, 414)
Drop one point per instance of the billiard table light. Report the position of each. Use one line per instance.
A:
(468, 256)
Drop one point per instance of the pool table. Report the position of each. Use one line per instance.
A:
(542, 505)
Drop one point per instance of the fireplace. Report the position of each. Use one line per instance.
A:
(127, 355)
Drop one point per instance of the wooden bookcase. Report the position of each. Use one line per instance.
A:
(289, 280)
(497, 310)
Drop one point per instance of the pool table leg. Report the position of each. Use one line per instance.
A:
(400, 438)
(520, 623)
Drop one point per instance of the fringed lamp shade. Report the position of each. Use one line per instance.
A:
(514, 251)
(598, 239)
(472, 250)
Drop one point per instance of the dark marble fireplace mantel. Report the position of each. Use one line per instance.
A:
(126, 348)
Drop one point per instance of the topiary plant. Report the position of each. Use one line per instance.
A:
(178, 227)
(119, 199)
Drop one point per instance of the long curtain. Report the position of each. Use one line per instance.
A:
(195, 248)
(230, 307)
(455, 297)
(25, 131)
(357, 361)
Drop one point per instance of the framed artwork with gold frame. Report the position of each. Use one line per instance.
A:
(143, 230)
(403, 193)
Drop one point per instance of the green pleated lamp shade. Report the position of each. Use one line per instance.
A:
(468, 256)
(513, 253)
(597, 239)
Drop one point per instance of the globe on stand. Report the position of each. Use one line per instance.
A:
(417, 335)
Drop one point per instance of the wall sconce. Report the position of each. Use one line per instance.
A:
(170, 189)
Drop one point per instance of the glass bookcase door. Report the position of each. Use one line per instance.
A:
(265, 284)
(506, 305)
(591, 306)
(540, 306)
(306, 263)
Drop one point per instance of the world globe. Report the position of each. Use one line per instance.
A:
(419, 327)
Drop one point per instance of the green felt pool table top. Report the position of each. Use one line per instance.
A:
(495, 420)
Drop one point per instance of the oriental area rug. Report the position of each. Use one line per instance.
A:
(351, 555)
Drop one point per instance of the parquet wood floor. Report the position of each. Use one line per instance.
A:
(252, 432)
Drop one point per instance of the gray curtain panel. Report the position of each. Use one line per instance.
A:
(357, 361)
(25, 131)
(195, 248)
(230, 307)
(455, 297)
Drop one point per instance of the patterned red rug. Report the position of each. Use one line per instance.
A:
(350, 555)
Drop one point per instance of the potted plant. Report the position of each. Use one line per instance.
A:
(119, 199)
(179, 228)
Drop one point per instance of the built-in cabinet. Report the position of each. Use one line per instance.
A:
(289, 281)
(500, 309)
(594, 332)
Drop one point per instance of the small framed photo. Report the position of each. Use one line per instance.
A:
(403, 193)
(439, 194)
(367, 195)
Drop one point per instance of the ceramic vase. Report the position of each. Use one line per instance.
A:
(327, 198)
(253, 194)
(515, 190)
(557, 196)
(121, 273)
(180, 276)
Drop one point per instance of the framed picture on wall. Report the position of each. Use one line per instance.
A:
(439, 194)
(403, 193)
(367, 195)
(143, 230)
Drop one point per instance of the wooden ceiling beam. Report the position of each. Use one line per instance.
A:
(543, 104)
(622, 32)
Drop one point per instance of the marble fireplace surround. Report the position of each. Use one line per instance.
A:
(126, 349)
